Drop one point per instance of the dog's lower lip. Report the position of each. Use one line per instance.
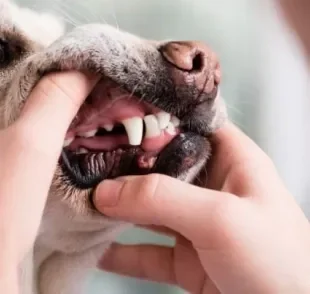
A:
(85, 171)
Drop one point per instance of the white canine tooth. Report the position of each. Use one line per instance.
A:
(82, 151)
(68, 141)
(175, 121)
(151, 126)
(171, 129)
(134, 129)
(163, 119)
(88, 134)
(108, 127)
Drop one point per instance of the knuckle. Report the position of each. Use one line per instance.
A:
(53, 85)
(51, 82)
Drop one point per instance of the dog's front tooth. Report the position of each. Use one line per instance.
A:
(82, 151)
(171, 129)
(152, 126)
(134, 129)
(175, 121)
(108, 127)
(163, 119)
(67, 142)
(88, 134)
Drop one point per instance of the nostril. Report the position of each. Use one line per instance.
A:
(198, 62)
(194, 65)
(185, 56)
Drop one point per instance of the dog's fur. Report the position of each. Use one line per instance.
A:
(72, 236)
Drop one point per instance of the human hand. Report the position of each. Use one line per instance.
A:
(245, 234)
(29, 151)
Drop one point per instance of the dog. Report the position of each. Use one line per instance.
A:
(151, 112)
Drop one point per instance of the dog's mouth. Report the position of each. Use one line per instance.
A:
(115, 133)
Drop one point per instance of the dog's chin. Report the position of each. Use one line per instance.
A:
(116, 133)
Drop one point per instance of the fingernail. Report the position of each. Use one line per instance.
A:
(107, 194)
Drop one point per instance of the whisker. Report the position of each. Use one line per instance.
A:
(66, 16)
(114, 16)
(70, 9)
(96, 16)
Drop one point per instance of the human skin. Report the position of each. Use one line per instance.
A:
(245, 234)
(29, 152)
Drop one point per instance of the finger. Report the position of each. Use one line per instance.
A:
(32, 147)
(237, 159)
(53, 104)
(159, 200)
(161, 230)
(173, 265)
(235, 146)
(141, 261)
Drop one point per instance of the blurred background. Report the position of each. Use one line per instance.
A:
(265, 82)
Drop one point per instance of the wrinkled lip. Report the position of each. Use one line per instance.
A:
(87, 170)
(114, 134)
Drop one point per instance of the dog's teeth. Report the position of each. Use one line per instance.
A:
(67, 142)
(108, 127)
(82, 151)
(152, 126)
(175, 121)
(163, 119)
(134, 129)
(171, 129)
(88, 134)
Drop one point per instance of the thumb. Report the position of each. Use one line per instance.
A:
(158, 200)
(53, 104)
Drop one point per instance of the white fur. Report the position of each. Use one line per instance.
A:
(43, 28)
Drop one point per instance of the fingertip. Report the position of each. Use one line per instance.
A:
(107, 194)
(56, 99)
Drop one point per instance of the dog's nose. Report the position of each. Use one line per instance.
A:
(192, 64)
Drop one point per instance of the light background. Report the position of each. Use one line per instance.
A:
(265, 82)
